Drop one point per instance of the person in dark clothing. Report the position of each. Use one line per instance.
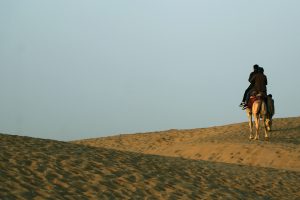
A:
(260, 82)
(247, 91)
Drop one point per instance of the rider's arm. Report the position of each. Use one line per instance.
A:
(250, 77)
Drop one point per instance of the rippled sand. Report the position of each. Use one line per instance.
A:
(227, 144)
(33, 168)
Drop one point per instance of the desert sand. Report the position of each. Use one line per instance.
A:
(227, 144)
(207, 163)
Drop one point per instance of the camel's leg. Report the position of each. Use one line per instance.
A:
(271, 122)
(257, 121)
(265, 127)
(250, 125)
(265, 117)
(268, 124)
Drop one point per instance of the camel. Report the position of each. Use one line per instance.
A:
(259, 111)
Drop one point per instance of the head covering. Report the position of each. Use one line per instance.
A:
(261, 69)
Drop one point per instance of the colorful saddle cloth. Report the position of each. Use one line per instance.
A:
(251, 101)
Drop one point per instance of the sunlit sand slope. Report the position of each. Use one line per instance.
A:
(45, 169)
(227, 144)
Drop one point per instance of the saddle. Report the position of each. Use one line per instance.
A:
(267, 99)
(251, 101)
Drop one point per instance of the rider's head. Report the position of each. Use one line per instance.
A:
(260, 69)
(255, 67)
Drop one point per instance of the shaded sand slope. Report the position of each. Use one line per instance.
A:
(45, 169)
(228, 144)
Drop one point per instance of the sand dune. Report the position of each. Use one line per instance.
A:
(32, 168)
(227, 144)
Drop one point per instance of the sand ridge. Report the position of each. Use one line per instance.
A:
(33, 168)
(227, 144)
(45, 169)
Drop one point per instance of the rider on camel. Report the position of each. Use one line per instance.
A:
(247, 91)
(259, 84)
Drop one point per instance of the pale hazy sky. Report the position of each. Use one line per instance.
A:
(73, 69)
